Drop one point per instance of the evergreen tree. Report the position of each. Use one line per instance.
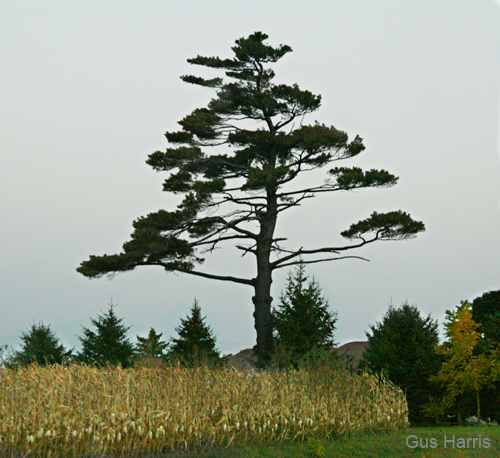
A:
(151, 348)
(40, 345)
(238, 197)
(402, 346)
(109, 343)
(303, 322)
(486, 312)
(3, 354)
(196, 342)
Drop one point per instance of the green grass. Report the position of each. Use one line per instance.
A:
(381, 445)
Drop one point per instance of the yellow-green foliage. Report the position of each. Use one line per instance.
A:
(75, 410)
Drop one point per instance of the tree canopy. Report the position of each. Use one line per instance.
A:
(486, 312)
(402, 345)
(303, 322)
(235, 161)
(196, 342)
(40, 345)
(109, 343)
(463, 370)
(151, 348)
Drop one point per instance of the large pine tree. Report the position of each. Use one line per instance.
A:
(109, 343)
(196, 342)
(303, 321)
(238, 195)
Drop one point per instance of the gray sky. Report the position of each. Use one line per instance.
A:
(87, 90)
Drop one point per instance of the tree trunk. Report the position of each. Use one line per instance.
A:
(262, 314)
(478, 407)
(262, 299)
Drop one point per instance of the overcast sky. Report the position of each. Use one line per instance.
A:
(88, 89)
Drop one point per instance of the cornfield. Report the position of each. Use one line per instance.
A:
(76, 410)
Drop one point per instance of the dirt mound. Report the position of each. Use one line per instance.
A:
(244, 360)
(352, 352)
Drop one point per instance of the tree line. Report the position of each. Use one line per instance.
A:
(445, 381)
(302, 323)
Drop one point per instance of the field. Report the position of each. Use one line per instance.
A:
(379, 445)
(82, 411)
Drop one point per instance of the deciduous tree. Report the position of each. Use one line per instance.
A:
(238, 196)
(463, 370)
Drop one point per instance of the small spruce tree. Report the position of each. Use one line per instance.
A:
(151, 348)
(40, 345)
(402, 346)
(196, 342)
(303, 323)
(109, 343)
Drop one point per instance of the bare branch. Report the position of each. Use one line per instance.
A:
(243, 281)
(246, 249)
(301, 251)
(319, 260)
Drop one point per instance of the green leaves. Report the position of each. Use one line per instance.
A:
(214, 82)
(294, 100)
(303, 321)
(351, 178)
(196, 341)
(396, 225)
(486, 312)
(181, 157)
(324, 144)
(253, 49)
(109, 343)
(39, 345)
(402, 346)
(150, 348)
(202, 123)
(98, 266)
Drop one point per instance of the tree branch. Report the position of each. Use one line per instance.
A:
(300, 252)
(243, 281)
(319, 260)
